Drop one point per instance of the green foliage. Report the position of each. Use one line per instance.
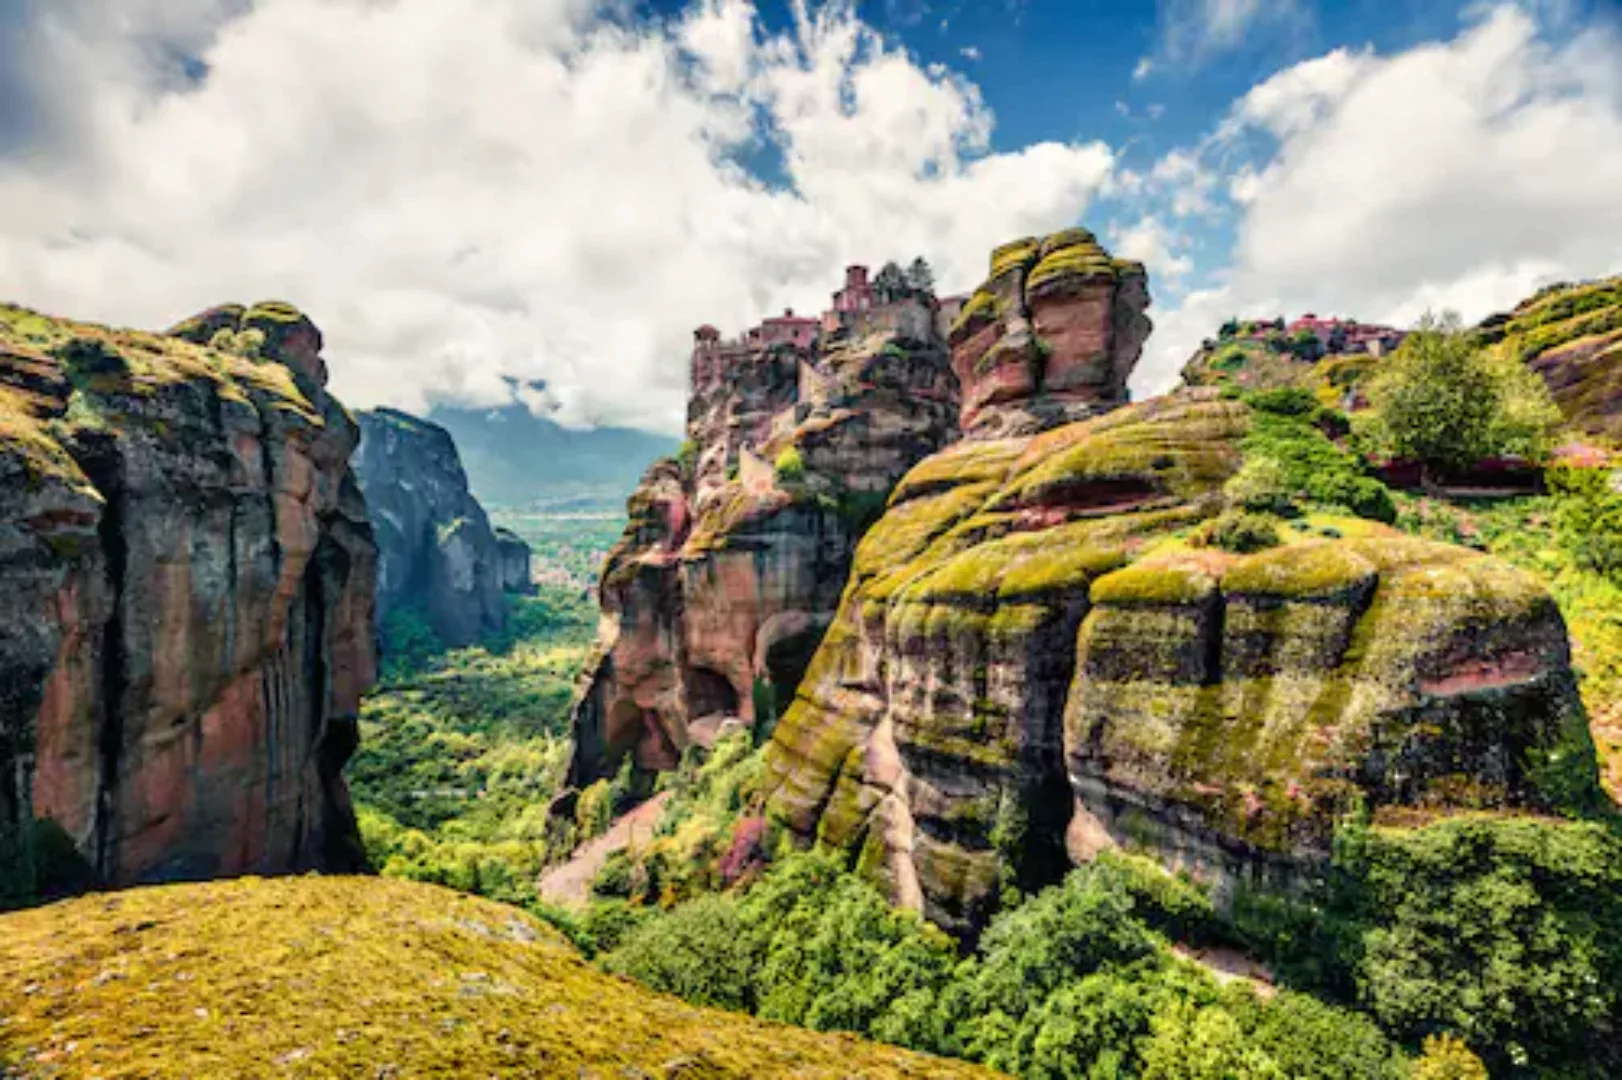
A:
(1076, 982)
(1447, 1058)
(460, 751)
(1238, 531)
(687, 457)
(1285, 427)
(1588, 516)
(1506, 932)
(409, 642)
(1260, 486)
(790, 466)
(1441, 400)
(701, 952)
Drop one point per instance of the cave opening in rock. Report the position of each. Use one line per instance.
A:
(709, 693)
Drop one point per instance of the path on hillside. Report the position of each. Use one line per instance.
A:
(570, 882)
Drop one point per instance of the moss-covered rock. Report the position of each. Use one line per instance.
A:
(1033, 621)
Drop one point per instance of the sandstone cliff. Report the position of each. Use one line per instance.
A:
(437, 553)
(737, 551)
(1041, 651)
(517, 573)
(188, 578)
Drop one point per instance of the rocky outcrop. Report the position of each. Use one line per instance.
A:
(437, 554)
(1572, 336)
(517, 576)
(737, 550)
(1050, 336)
(188, 583)
(1039, 654)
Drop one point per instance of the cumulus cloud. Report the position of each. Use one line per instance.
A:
(528, 188)
(1153, 244)
(1458, 174)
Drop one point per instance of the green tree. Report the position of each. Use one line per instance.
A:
(1442, 400)
(890, 283)
(920, 278)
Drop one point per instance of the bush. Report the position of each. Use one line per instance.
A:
(1441, 400)
(409, 642)
(1447, 1058)
(1285, 429)
(1588, 517)
(702, 952)
(790, 465)
(1508, 933)
(1261, 486)
(1238, 531)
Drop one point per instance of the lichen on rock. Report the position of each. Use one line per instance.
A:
(190, 568)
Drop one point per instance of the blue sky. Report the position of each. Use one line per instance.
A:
(559, 190)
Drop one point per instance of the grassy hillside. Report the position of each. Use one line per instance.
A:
(319, 977)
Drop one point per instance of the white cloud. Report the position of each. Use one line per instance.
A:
(1459, 174)
(970, 52)
(520, 187)
(1151, 243)
(1193, 30)
(1145, 67)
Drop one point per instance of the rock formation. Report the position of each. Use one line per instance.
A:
(737, 550)
(517, 575)
(1050, 336)
(1572, 336)
(437, 553)
(1035, 655)
(188, 581)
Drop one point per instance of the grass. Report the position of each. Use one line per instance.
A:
(330, 977)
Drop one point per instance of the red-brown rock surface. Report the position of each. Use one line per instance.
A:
(736, 553)
(187, 577)
(1050, 336)
(1040, 652)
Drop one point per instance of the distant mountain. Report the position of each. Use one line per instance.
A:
(514, 458)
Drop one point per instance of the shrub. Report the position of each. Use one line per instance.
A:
(701, 951)
(1238, 531)
(1588, 517)
(1445, 402)
(790, 465)
(1261, 486)
(1447, 1058)
(409, 642)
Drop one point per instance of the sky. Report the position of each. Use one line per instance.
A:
(551, 194)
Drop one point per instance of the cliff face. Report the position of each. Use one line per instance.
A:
(1038, 655)
(1050, 336)
(736, 552)
(188, 578)
(437, 551)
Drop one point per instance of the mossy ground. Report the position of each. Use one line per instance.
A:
(343, 977)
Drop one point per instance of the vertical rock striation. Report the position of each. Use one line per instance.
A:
(188, 597)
